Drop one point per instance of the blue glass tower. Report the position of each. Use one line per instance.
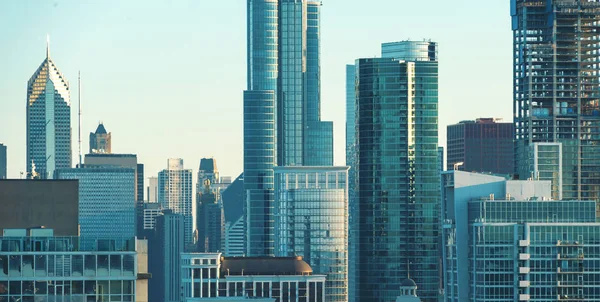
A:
(398, 193)
(283, 76)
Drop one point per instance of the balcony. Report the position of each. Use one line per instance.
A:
(524, 283)
(523, 243)
(524, 270)
(523, 297)
(524, 256)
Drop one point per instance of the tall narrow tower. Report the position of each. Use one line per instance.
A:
(556, 84)
(48, 121)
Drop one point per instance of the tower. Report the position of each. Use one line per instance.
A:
(100, 141)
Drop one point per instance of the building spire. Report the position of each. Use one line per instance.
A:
(47, 46)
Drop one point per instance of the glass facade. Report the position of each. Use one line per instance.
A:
(546, 164)
(555, 92)
(319, 144)
(167, 245)
(62, 269)
(107, 207)
(2, 161)
(175, 194)
(312, 222)
(398, 182)
(48, 121)
(350, 161)
(410, 50)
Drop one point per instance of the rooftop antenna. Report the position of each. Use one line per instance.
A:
(79, 121)
(47, 46)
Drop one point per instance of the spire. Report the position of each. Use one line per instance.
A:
(47, 46)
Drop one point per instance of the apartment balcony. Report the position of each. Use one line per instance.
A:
(524, 270)
(525, 256)
(524, 297)
(524, 283)
(523, 243)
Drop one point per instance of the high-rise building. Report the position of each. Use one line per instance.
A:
(556, 63)
(152, 189)
(546, 164)
(3, 161)
(312, 221)
(175, 194)
(100, 141)
(107, 207)
(106, 160)
(282, 118)
(30, 203)
(207, 170)
(39, 266)
(146, 218)
(210, 277)
(350, 161)
(210, 220)
(167, 245)
(482, 145)
(234, 238)
(397, 211)
(506, 240)
(48, 121)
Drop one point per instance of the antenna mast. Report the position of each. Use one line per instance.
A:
(79, 121)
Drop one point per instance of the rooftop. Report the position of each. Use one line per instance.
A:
(265, 266)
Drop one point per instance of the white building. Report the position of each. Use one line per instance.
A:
(175, 194)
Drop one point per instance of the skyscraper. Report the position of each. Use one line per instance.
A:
(48, 120)
(107, 160)
(100, 141)
(3, 161)
(350, 161)
(556, 98)
(397, 212)
(312, 221)
(152, 189)
(210, 221)
(175, 194)
(482, 145)
(283, 77)
(167, 244)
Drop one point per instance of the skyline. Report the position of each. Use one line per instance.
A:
(181, 64)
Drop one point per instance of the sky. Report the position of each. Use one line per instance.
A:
(166, 76)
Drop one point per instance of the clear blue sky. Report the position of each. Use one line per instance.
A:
(166, 77)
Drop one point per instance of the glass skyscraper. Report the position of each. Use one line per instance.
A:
(397, 211)
(48, 121)
(312, 222)
(350, 161)
(175, 194)
(283, 75)
(106, 201)
(556, 88)
(3, 173)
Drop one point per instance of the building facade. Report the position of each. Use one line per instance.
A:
(168, 243)
(234, 238)
(152, 189)
(110, 160)
(210, 220)
(146, 218)
(397, 212)
(555, 88)
(282, 119)
(175, 193)
(3, 161)
(107, 207)
(518, 246)
(546, 164)
(48, 121)
(100, 141)
(482, 145)
(41, 267)
(208, 277)
(350, 161)
(312, 221)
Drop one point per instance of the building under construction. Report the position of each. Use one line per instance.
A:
(557, 90)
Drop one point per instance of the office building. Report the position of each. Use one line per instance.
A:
(546, 164)
(441, 159)
(167, 245)
(152, 189)
(350, 161)
(282, 105)
(233, 199)
(3, 161)
(100, 160)
(483, 145)
(210, 220)
(100, 141)
(508, 241)
(48, 121)
(175, 194)
(234, 238)
(397, 211)
(207, 170)
(146, 218)
(107, 208)
(556, 63)
(41, 267)
(28, 203)
(210, 277)
(312, 221)
(410, 50)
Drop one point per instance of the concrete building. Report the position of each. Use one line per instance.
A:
(107, 208)
(3, 161)
(48, 121)
(175, 194)
(506, 240)
(41, 267)
(482, 145)
(208, 277)
(30, 203)
(100, 141)
(167, 244)
(99, 160)
(398, 193)
(152, 189)
(312, 221)
(555, 86)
